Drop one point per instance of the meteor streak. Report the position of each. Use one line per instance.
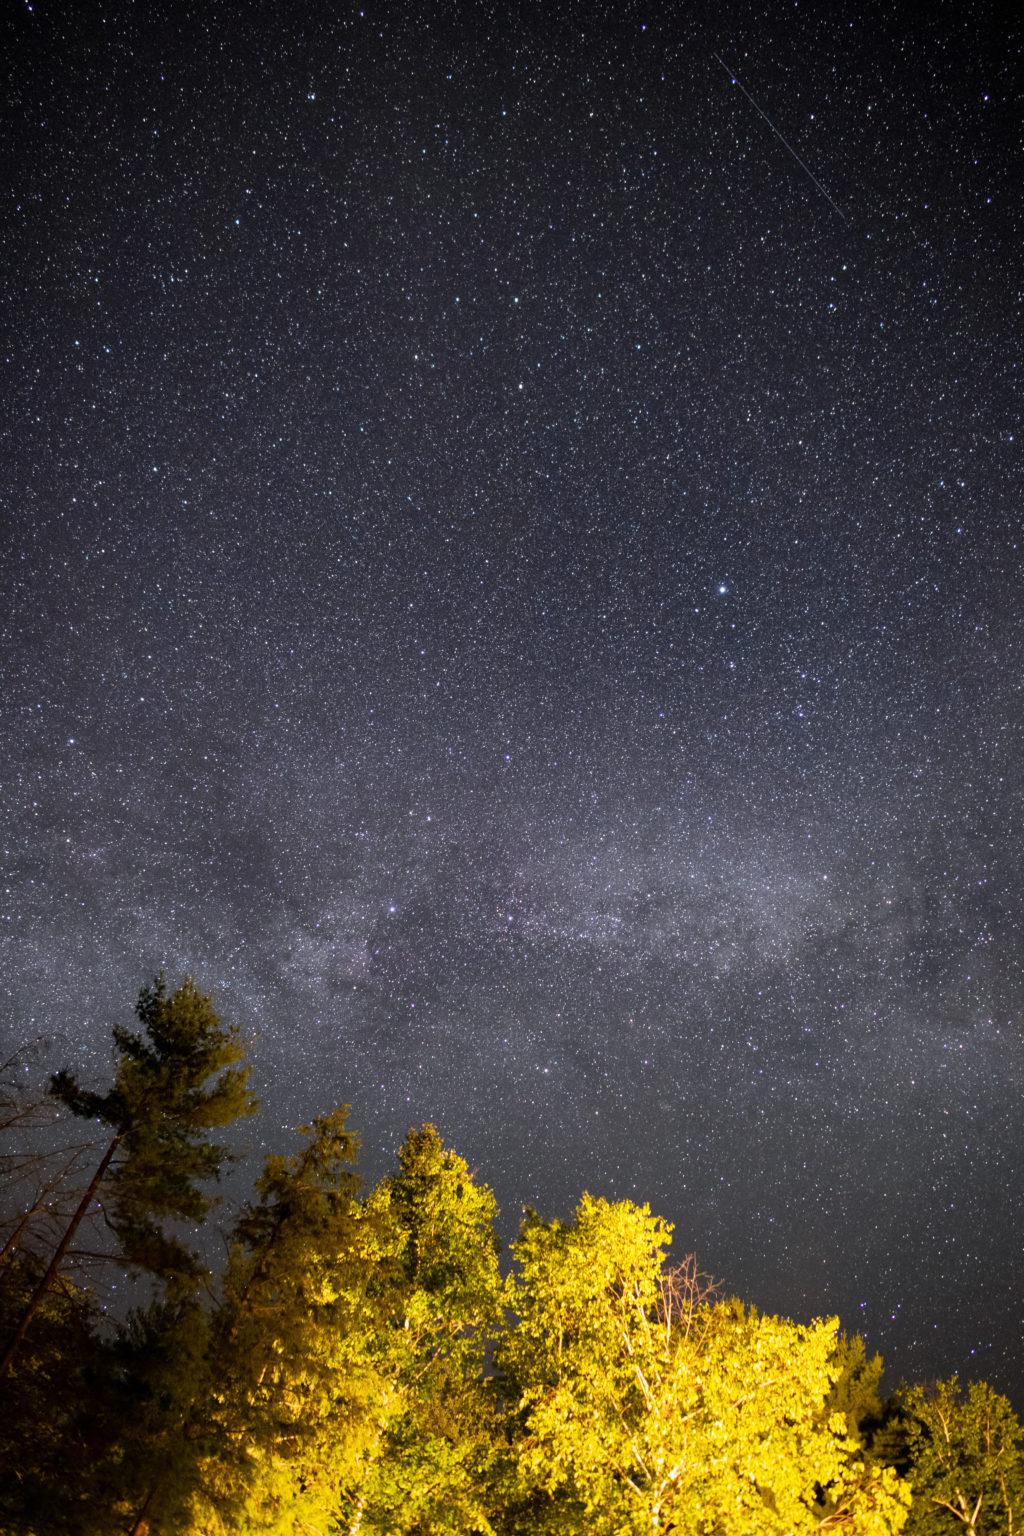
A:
(803, 164)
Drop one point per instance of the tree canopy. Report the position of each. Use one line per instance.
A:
(362, 1364)
(963, 1446)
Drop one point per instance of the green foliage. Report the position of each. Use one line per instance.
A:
(293, 1383)
(158, 1373)
(55, 1418)
(449, 1288)
(105, 1409)
(339, 1384)
(429, 1468)
(160, 1109)
(965, 1463)
(855, 1392)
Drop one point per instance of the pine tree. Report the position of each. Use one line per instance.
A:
(158, 1111)
(292, 1387)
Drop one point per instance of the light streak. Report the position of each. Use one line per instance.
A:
(802, 163)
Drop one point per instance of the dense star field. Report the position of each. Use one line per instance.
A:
(513, 576)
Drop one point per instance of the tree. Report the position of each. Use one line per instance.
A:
(54, 1409)
(429, 1466)
(158, 1372)
(854, 1396)
(855, 1391)
(158, 1111)
(965, 1464)
(641, 1405)
(291, 1385)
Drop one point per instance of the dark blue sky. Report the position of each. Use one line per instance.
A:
(520, 593)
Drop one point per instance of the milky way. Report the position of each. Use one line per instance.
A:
(521, 594)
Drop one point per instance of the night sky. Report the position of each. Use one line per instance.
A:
(512, 575)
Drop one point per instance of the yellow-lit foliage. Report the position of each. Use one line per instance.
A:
(643, 1406)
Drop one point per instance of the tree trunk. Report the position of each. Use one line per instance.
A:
(141, 1526)
(357, 1518)
(58, 1257)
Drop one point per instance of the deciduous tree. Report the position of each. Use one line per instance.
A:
(640, 1413)
(965, 1464)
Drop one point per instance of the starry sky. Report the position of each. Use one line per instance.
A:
(512, 574)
